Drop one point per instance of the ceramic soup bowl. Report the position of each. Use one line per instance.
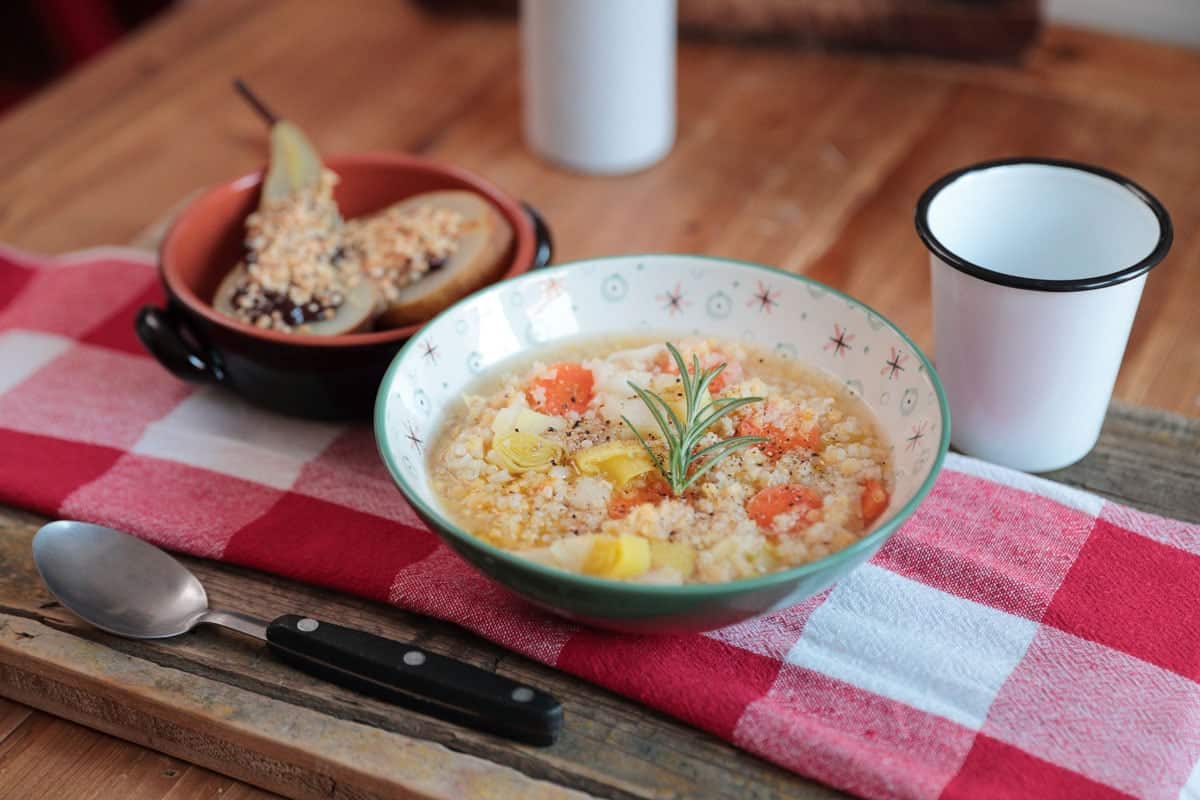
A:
(789, 314)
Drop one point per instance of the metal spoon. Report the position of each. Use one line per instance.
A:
(128, 587)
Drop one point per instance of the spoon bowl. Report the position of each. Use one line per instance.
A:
(117, 582)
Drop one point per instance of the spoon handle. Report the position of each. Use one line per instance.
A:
(413, 677)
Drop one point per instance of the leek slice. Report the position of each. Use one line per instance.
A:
(619, 461)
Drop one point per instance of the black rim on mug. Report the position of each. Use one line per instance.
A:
(1165, 231)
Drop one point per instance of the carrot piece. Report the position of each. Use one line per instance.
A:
(749, 426)
(789, 498)
(563, 387)
(732, 373)
(801, 433)
(664, 363)
(874, 500)
(798, 433)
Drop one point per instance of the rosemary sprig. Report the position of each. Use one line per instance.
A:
(684, 464)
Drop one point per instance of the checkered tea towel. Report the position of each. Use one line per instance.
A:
(1015, 638)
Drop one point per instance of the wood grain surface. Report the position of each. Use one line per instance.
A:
(46, 758)
(809, 161)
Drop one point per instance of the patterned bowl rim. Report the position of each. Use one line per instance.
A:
(445, 526)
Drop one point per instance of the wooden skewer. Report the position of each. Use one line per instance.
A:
(251, 98)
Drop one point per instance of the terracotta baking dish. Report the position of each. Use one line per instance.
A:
(321, 377)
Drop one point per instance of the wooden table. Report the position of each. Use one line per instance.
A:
(804, 160)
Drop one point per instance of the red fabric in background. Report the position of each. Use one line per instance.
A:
(80, 28)
(42, 40)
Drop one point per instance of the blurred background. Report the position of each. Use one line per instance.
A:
(42, 40)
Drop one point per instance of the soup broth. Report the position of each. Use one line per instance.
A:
(557, 458)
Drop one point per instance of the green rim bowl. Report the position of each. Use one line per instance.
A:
(672, 295)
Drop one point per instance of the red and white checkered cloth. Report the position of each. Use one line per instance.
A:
(1017, 638)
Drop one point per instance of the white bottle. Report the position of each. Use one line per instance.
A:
(599, 82)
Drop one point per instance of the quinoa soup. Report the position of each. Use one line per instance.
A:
(561, 460)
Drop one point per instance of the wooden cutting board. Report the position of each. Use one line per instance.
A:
(219, 701)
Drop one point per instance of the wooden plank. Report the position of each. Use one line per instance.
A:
(1145, 459)
(12, 716)
(200, 784)
(56, 758)
(1117, 74)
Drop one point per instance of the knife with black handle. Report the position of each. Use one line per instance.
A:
(416, 678)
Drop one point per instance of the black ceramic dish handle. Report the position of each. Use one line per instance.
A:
(543, 244)
(162, 334)
(415, 678)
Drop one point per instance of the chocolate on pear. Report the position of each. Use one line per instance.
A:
(356, 314)
(482, 245)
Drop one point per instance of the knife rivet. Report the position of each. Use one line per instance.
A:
(414, 658)
(522, 694)
(307, 625)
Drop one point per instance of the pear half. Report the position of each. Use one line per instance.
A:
(483, 243)
(294, 164)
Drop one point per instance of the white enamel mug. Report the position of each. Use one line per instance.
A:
(1037, 268)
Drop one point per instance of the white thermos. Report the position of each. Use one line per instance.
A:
(599, 82)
